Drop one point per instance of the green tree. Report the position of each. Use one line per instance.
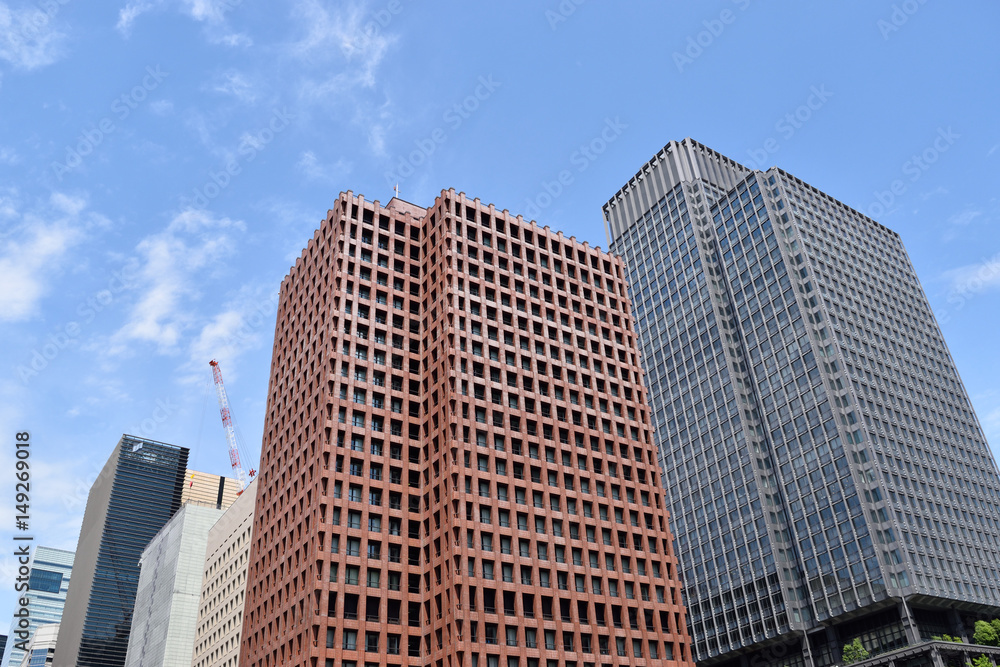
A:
(981, 661)
(986, 634)
(855, 652)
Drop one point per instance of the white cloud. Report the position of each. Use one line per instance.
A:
(233, 39)
(963, 218)
(936, 192)
(376, 139)
(315, 170)
(174, 263)
(29, 38)
(207, 10)
(976, 278)
(244, 325)
(9, 156)
(162, 107)
(342, 48)
(34, 248)
(235, 84)
(346, 30)
(212, 12)
(133, 10)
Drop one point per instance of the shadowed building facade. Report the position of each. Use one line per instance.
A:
(136, 493)
(829, 478)
(457, 465)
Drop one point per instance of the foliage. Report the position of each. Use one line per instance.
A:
(986, 634)
(981, 661)
(855, 652)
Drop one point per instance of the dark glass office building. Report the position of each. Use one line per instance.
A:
(827, 476)
(136, 493)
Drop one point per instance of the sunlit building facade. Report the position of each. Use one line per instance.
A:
(829, 478)
(457, 466)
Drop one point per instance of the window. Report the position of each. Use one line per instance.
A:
(44, 580)
(350, 640)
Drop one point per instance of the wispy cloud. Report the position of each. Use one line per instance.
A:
(175, 262)
(313, 169)
(965, 216)
(29, 38)
(133, 10)
(33, 247)
(234, 84)
(161, 107)
(973, 279)
(8, 156)
(211, 12)
(935, 192)
(344, 29)
(245, 324)
(341, 49)
(233, 39)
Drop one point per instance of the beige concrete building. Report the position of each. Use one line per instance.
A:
(220, 613)
(210, 489)
(169, 589)
(42, 647)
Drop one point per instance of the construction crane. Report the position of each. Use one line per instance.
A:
(227, 423)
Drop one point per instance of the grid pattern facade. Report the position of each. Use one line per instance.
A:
(828, 459)
(47, 586)
(223, 588)
(135, 495)
(166, 601)
(457, 466)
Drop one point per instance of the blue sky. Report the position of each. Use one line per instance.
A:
(162, 163)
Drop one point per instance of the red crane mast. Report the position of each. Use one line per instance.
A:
(227, 423)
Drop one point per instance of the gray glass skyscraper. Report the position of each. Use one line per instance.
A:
(47, 586)
(136, 493)
(827, 476)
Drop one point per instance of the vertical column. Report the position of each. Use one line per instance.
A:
(958, 626)
(912, 633)
(807, 650)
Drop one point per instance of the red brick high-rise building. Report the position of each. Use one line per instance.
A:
(457, 465)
